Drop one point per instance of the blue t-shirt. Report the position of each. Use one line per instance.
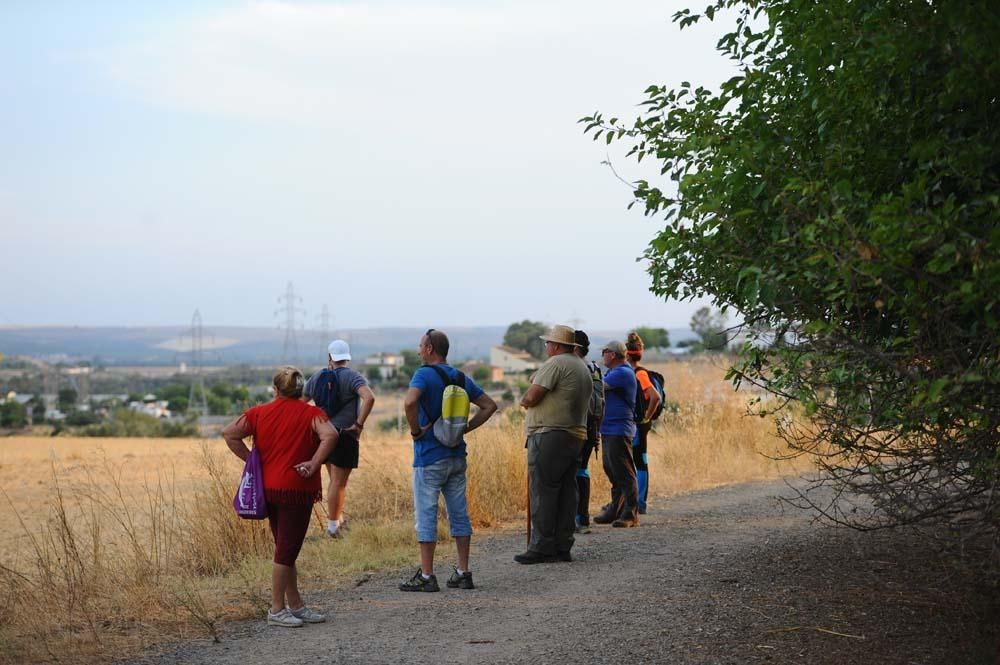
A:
(619, 403)
(427, 449)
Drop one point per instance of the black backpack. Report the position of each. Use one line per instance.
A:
(640, 395)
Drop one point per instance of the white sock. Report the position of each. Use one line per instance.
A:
(332, 525)
(460, 571)
(424, 575)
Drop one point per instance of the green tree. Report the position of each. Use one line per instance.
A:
(13, 415)
(411, 361)
(654, 338)
(481, 373)
(37, 406)
(525, 336)
(842, 189)
(66, 399)
(710, 327)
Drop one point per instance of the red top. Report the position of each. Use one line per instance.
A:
(282, 432)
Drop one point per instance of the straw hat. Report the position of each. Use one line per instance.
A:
(561, 335)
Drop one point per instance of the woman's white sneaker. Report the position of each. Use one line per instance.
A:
(308, 615)
(284, 618)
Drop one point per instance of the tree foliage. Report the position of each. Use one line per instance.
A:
(843, 190)
(710, 327)
(13, 414)
(526, 336)
(654, 338)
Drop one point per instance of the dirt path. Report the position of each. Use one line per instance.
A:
(722, 576)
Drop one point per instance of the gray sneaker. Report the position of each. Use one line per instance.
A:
(308, 615)
(283, 618)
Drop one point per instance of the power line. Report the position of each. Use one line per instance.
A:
(196, 396)
(289, 302)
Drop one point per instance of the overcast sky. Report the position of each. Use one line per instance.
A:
(404, 163)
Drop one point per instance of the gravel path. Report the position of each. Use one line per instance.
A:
(721, 576)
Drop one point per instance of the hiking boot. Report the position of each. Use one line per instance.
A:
(531, 557)
(564, 556)
(336, 534)
(607, 515)
(460, 580)
(283, 618)
(583, 528)
(627, 520)
(308, 615)
(418, 583)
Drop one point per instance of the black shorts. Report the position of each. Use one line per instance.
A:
(345, 455)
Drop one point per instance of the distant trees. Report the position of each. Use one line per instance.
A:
(526, 337)
(654, 338)
(66, 399)
(13, 415)
(710, 327)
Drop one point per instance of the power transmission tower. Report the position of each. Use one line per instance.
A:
(196, 397)
(324, 330)
(290, 302)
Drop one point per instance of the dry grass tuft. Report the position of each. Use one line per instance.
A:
(108, 546)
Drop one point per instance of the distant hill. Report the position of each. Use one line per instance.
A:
(227, 345)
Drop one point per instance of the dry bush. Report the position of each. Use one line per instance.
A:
(497, 475)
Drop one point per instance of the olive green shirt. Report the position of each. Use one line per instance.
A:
(564, 406)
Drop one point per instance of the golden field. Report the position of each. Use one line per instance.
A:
(120, 543)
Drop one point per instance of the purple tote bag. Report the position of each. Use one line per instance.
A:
(249, 500)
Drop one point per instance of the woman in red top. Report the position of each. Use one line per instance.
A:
(293, 439)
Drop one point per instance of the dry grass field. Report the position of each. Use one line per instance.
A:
(108, 545)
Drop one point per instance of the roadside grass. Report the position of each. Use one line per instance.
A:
(121, 544)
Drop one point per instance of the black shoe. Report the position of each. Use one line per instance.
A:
(627, 520)
(418, 583)
(606, 516)
(460, 581)
(564, 556)
(642, 510)
(531, 557)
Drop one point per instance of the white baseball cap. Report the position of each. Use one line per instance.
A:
(339, 350)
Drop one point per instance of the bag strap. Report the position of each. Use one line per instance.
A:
(443, 374)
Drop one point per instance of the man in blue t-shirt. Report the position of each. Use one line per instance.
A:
(617, 431)
(438, 469)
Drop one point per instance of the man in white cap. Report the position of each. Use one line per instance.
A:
(556, 426)
(347, 399)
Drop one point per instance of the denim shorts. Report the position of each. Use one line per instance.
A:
(445, 477)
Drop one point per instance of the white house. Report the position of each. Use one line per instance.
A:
(512, 361)
(388, 364)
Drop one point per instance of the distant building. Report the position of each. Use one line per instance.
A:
(512, 361)
(151, 407)
(388, 364)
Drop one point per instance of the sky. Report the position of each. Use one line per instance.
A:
(403, 163)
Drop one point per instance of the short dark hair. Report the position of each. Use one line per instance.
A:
(581, 338)
(438, 342)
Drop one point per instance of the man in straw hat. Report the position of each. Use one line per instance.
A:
(556, 427)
